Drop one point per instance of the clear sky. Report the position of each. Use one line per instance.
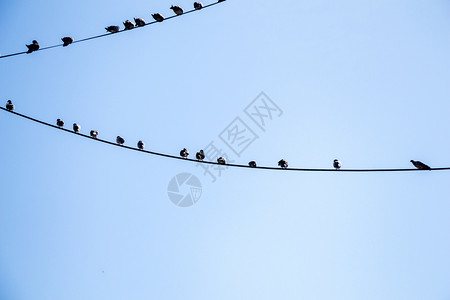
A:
(366, 82)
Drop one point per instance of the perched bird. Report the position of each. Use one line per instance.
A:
(283, 163)
(9, 105)
(34, 46)
(221, 161)
(184, 153)
(141, 145)
(76, 127)
(113, 29)
(177, 10)
(60, 123)
(158, 17)
(139, 21)
(128, 25)
(198, 5)
(252, 164)
(337, 164)
(420, 165)
(94, 134)
(67, 41)
(120, 140)
(200, 155)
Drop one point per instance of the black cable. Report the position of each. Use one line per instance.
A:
(110, 33)
(215, 163)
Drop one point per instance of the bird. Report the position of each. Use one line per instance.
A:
(252, 164)
(158, 17)
(94, 134)
(9, 105)
(112, 28)
(67, 41)
(221, 161)
(420, 165)
(76, 127)
(34, 46)
(60, 123)
(128, 25)
(141, 145)
(200, 155)
(177, 10)
(198, 5)
(184, 153)
(337, 164)
(120, 140)
(283, 163)
(139, 21)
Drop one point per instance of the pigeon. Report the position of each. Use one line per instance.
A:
(139, 21)
(76, 127)
(252, 164)
(67, 41)
(200, 155)
(128, 25)
(94, 134)
(283, 163)
(113, 29)
(34, 46)
(221, 161)
(9, 105)
(158, 17)
(120, 140)
(60, 123)
(420, 165)
(198, 5)
(184, 153)
(177, 10)
(141, 145)
(337, 164)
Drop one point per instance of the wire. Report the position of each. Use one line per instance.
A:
(110, 33)
(215, 163)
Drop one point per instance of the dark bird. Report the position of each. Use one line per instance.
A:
(198, 5)
(34, 46)
(67, 41)
(139, 21)
(337, 164)
(128, 25)
(9, 105)
(177, 10)
(252, 164)
(112, 29)
(184, 153)
(158, 17)
(141, 145)
(120, 140)
(200, 155)
(420, 165)
(76, 127)
(94, 134)
(283, 163)
(221, 161)
(60, 123)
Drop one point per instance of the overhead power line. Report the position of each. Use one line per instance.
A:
(110, 33)
(215, 163)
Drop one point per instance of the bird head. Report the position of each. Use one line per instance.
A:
(9, 102)
(412, 160)
(35, 42)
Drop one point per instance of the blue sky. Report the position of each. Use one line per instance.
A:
(362, 81)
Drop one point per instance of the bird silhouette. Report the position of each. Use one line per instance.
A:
(198, 5)
(283, 163)
(200, 155)
(60, 123)
(177, 10)
(420, 165)
(139, 21)
(67, 41)
(141, 145)
(76, 127)
(221, 161)
(120, 140)
(10, 106)
(337, 164)
(184, 153)
(128, 25)
(34, 46)
(252, 164)
(94, 133)
(112, 28)
(158, 17)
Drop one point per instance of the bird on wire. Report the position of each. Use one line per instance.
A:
(141, 145)
(34, 46)
(184, 153)
(337, 164)
(198, 5)
(128, 25)
(200, 155)
(252, 164)
(139, 22)
(94, 134)
(10, 106)
(177, 10)
(120, 140)
(283, 164)
(112, 28)
(76, 127)
(420, 165)
(158, 17)
(67, 41)
(60, 123)
(221, 161)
